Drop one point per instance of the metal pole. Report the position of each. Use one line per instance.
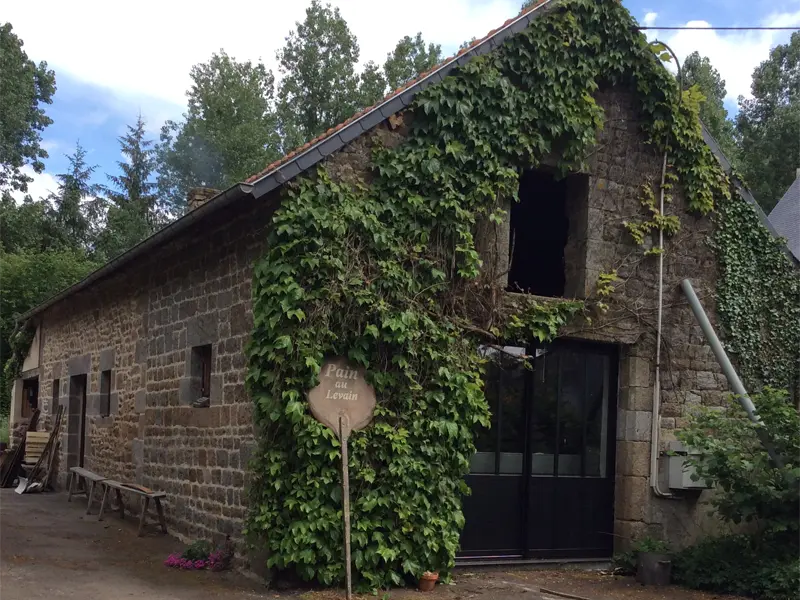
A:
(727, 368)
(346, 507)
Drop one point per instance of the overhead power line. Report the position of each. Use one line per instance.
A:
(724, 28)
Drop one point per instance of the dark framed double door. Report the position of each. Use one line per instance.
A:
(542, 479)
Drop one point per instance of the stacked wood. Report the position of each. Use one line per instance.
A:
(35, 442)
(39, 477)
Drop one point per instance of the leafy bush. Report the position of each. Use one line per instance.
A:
(764, 567)
(4, 428)
(750, 487)
(198, 550)
(625, 562)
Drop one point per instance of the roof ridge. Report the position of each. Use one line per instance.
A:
(389, 96)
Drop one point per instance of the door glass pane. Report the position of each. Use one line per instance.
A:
(500, 449)
(543, 419)
(597, 367)
(569, 425)
(570, 412)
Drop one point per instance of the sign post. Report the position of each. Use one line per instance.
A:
(345, 402)
(346, 506)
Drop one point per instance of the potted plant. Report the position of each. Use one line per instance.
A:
(4, 433)
(428, 581)
(653, 563)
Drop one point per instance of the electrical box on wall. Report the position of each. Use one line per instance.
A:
(681, 472)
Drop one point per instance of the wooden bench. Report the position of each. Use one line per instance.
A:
(144, 493)
(89, 481)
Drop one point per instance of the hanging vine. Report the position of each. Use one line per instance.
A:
(386, 272)
(758, 297)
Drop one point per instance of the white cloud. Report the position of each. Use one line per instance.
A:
(145, 55)
(649, 19)
(735, 54)
(40, 187)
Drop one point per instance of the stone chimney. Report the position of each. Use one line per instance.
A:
(199, 196)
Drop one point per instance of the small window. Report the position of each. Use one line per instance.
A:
(56, 394)
(105, 393)
(201, 369)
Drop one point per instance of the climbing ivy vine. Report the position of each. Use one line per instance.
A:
(386, 272)
(758, 297)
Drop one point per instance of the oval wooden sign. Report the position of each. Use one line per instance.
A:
(342, 392)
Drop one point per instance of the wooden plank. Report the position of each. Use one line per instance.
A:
(50, 448)
(87, 474)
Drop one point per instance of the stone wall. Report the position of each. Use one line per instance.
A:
(690, 376)
(141, 324)
(598, 243)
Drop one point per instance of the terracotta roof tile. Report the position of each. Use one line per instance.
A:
(272, 166)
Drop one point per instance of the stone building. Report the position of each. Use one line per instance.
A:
(147, 353)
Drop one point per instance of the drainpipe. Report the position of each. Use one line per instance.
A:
(730, 373)
(655, 421)
(655, 431)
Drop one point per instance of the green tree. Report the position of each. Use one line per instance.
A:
(768, 125)
(78, 211)
(29, 278)
(24, 87)
(698, 70)
(410, 58)
(28, 226)
(134, 211)
(372, 85)
(320, 87)
(228, 133)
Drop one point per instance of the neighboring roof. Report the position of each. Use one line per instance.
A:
(309, 154)
(785, 217)
(743, 191)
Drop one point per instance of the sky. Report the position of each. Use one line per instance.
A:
(111, 65)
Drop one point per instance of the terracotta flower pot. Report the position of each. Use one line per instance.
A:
(428, 581)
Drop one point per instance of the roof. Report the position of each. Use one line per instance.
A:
(314, 151)
(785, 217)
(309, 154)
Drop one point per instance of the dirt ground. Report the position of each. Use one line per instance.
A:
(49, 549)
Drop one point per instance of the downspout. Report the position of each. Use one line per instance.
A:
(655, 421)
(727, 368)
(655, 431)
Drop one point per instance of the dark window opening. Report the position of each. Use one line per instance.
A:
(105, 393)
(30, 396)
(201, 368)
(56, 394)
(539, 228)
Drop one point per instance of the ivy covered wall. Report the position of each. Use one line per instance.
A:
(384, 269)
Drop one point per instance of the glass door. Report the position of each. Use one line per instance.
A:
(497, 469)
(542, 478)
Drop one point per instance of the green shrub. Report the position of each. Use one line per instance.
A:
(198, 550)
(750, 487)
(4, 429)
(763, 567)
(625, 562)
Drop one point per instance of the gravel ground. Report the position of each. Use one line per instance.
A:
(49, 549)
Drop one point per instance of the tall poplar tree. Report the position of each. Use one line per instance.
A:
(228, 132)
(320, 87)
